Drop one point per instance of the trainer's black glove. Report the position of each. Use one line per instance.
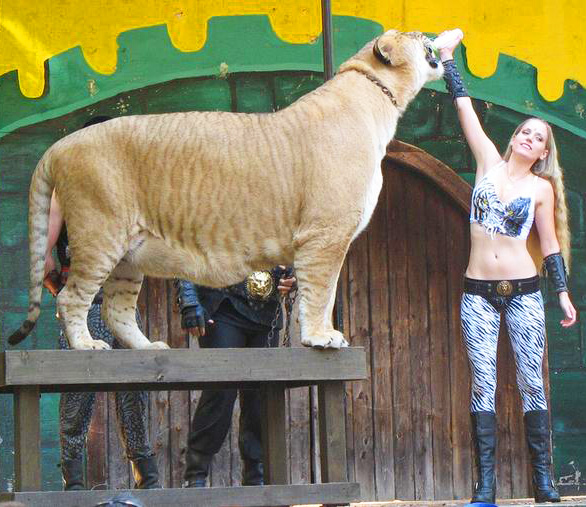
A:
(193, 314)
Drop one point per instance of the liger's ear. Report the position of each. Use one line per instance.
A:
(382, 55)
(387, 50)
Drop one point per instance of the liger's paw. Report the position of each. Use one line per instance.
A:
(91, 345)
(158, 346)
(331, 340)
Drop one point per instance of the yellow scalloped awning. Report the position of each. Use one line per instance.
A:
(545, 33)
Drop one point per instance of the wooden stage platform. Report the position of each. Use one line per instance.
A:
(567, 501)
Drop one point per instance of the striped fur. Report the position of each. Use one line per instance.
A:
(212, 196)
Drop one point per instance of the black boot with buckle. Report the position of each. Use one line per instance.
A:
(146, 473)
(72, 472)
(538, 435)
(484, 435)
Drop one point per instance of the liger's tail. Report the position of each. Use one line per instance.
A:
(38, 225)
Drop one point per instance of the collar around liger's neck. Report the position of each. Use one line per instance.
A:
(380, 84)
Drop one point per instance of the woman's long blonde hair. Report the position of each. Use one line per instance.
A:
(550, 169)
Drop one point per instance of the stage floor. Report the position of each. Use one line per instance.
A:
(567, 501)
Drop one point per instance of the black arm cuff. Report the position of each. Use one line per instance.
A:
(192, 312)
(453, 80)
(186, 293)
(556, 271)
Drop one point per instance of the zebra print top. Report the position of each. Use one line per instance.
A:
(513, 219)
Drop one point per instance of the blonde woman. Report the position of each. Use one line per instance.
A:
(513, 195)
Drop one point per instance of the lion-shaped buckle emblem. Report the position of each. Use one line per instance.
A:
(504, 288)
(260, 285)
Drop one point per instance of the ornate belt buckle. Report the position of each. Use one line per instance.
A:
(504, 288)
(260, 285)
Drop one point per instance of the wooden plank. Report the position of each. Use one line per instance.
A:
(332, 432)
(167, 367)
(236, 498)
(273, 432)
(249, 496)
(400, 346)
(457, 243)
(97, 445)
(299, 436)
(315, 443)
(380, 325)
(415, 195)
(27, 439)
(359, 334)
(235, 464)
(159, 400)
(439, 339)
(178, 400)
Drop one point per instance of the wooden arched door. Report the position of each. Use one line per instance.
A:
(408, 424)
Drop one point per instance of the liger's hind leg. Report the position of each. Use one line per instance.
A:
(89, 269)
(317, 268)
(119, 307)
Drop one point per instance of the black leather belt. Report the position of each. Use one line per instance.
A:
(506, 288)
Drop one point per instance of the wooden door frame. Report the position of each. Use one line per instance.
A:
(420, 162)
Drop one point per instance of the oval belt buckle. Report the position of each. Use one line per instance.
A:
(504, 288)
(260, 285)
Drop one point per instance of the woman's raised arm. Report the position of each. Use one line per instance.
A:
(483, 149)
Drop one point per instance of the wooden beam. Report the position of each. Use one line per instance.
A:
(246, 496)
(177, 369)
(332, 431)
(274, 436)
(27, 439)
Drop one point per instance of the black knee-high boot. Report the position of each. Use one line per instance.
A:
(72, 472)
(146, 473)
(484, 435)
(538, 435)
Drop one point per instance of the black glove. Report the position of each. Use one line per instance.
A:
(193, 314)
(556, 272)
(192, 317)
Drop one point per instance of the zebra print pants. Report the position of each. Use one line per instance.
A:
(525, 321)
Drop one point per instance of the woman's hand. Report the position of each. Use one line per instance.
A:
(447, 42)
(568, 309)
(49, 264)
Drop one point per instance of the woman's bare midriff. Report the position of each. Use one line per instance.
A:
(498, 258)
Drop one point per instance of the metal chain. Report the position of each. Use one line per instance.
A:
(289, 301)
(271, 334)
